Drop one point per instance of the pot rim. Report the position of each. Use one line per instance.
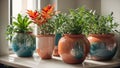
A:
(74, 35)
(40, 35)
(102, 35)
(25, 32)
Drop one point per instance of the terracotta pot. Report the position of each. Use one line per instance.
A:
(55, 51)
(103, 47)
(73, 48)
(45, 46)
(57, 38)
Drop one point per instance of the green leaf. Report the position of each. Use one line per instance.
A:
(19, 18)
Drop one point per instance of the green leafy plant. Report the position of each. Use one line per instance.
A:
(47, 28)
(76, 21)
(20, 25)
(102, 24)
(58, 20)
(53, 24)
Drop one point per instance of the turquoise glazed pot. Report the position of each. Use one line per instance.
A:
(103, 47)
(57, 38)
(23, 44)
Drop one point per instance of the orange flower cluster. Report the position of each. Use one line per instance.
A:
(40, 18)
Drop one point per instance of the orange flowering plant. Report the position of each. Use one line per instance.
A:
(43, 19)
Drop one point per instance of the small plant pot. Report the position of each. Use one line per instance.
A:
(45, 46)
(73, 49)
(102, 47)
(23, 44)
(55, 51)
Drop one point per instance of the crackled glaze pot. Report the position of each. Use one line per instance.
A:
(73, 49)
(102, 47)
(45, 46)
(23, 44)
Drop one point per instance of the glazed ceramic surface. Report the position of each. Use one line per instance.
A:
(23, 44)
(57, 38)
(103, 47)
(45, 46)
(73, 48)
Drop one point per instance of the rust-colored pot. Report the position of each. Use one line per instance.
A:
(57, 38)
(102, 47)
(73, 49)
(45, 46)
(55, 51)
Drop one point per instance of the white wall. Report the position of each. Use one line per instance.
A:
(54, 2)
(87, 3)
(65, 5)
(3, 25)
(97, 6)
(90, 4)
(108, 6)
(44, 3)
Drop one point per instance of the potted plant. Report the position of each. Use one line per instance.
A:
(101, 37)
(58, 20)
(73, 47)
(46, 29)
(20, 35)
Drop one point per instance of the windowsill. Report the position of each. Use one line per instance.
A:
(55, 62)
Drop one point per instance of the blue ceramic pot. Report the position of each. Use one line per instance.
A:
(103, 46)
(23, 44)
(57, 38)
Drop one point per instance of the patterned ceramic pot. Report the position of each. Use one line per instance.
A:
(73, 48)
(23, 44)
(45, 46)
(103, 47)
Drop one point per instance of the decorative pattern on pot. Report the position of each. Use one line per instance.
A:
(57, 38)
(23, 44)
(103, 47)
(73, 48)
(45, 46)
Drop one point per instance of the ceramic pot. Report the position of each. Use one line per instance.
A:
(23, 44)
(45, 46)
(73, 49)
(57, 38)
(102, 47)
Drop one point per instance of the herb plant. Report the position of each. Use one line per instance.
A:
(76, 21)
(102, 24)
(58, 20)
